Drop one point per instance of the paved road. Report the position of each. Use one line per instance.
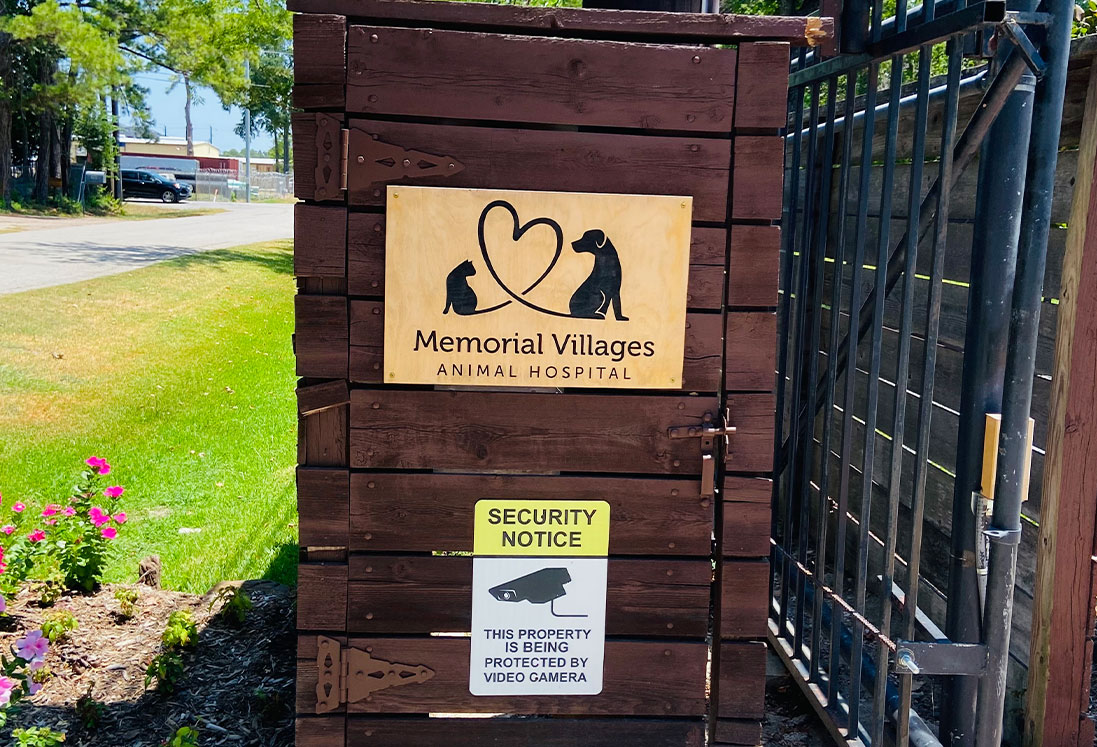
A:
(58, 253)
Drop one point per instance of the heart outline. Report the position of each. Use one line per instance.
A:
(518, 232)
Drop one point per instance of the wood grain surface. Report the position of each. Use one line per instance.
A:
(505, 78)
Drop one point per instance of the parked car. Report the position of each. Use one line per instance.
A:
(150, 184)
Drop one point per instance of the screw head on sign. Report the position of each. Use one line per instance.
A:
(371, 484)
(376, 405)
(691, 117)
(376, 193)
(369, 615)
(674, 492)
(361, 159)
(452, 166)
(373, 38)
(372, 98)
(677, 462)
(697, 60)
(407, 162)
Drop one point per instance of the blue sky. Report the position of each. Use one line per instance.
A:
(167, 111)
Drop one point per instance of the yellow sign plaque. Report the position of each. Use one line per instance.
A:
(511, 288)
(541, 528)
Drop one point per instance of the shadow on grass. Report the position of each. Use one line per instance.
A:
(237, 686)
(279, 259)
(282, 568)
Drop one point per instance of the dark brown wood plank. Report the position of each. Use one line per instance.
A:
(365, 256)
(320, 731)
(742, 691)
(503, 78)
(737, 731)
(323, 438)
(321, 336)
(751, 346)
(754, 266)
(319, 238)
(763, 86)
(710, 28)
(425, 594)
(744, 595)
(642, 678)
(752, 415)
(746, 529)
(323, 507)
(758, 178)
(321, 597)
(510, 732)
(751, 362)
(568, 161)
(316, 398)
(431, 512)
(319, 70)
(513, 431)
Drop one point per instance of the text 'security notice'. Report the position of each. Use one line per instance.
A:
(539, 597)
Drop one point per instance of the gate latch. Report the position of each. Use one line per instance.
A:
(708, 431)
(350, 675)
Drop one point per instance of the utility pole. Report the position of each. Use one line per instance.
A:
(117, 145)
(247, 133)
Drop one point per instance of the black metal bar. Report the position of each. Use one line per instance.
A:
(1002, 169)
(964, 20)
(865, 173)
(785, 340)
(822, 225)
(902, 369)
(929, 365)
(883, 235)
(1020, 365)
(831, 382)
(805, 316)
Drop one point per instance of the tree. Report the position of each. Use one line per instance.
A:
(269, 99)
(206, 43)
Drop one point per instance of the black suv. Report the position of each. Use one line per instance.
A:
(150, 184)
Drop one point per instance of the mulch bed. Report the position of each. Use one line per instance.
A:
(238, 687)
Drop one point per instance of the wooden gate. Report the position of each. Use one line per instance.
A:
(503, 97)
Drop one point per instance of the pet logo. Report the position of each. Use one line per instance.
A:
(593, 299)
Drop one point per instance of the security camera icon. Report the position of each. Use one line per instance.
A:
(540, 587)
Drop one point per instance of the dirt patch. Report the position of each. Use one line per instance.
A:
(237, 688)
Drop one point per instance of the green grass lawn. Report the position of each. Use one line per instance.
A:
(181, 376)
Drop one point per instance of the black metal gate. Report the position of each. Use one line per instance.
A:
(865, 248)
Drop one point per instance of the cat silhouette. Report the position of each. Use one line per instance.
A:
(602, 287)
(459, 296)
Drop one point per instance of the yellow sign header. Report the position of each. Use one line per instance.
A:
(541, 528)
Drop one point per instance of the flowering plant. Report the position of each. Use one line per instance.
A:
(66, 544)
(16, 673)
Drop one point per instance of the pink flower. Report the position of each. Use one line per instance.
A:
(36, 536)
(8, 529)
(69, 511)
(114, 491)
(33, 687)
(109, 533)
(51, 509)
(7, 684)
(3, 602)
(98, 516)
(33, 648)
(18, 507)
(120, 517)
(99, 465)
(50, 522)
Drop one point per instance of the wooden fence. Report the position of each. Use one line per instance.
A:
(532, 99)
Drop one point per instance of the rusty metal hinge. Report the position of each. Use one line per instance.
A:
(709, 429)
(330, 173)
(351, 675)
(370, 161)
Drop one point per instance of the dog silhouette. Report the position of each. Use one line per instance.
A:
(459, 295)
(602, 287)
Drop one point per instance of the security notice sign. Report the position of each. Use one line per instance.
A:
(539, 597)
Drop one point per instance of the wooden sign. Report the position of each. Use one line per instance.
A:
(514, 288)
